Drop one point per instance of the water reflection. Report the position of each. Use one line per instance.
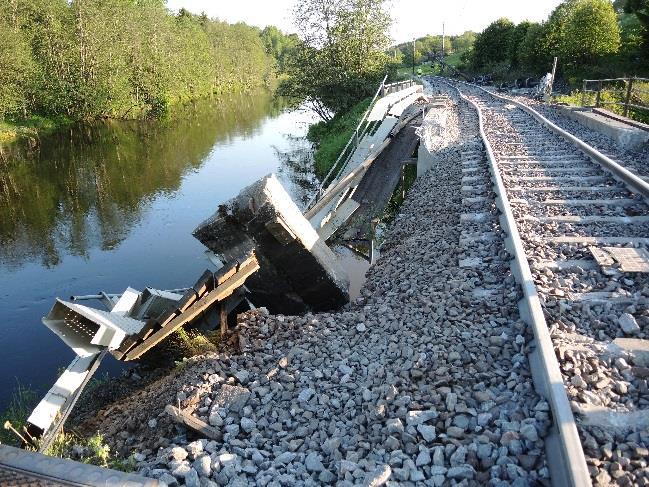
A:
(297, 166)
(86, 187)
(114, 204)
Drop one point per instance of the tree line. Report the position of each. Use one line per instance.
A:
(427, 47)
(594, 38)
(85, 59)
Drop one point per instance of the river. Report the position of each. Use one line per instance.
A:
(105, 206)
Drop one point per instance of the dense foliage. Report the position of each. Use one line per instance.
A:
(594, 38)
(427, 47)
(493, 43)
(342, 54)
(84, 59)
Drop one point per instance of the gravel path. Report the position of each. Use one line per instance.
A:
(588, 308)
(423, 381)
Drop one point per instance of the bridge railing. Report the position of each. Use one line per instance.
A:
(340, 163)
(397, 86)
(628, 93)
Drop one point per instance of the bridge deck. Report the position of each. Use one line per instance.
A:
(378, 184)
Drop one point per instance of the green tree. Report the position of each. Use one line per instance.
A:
(516, 38)
(532, 54)
(640, 8)
(492, 45)
(121, 58)
(342, 55)
(463, 42)
(591, 32)
(16, 72)
(279, 45)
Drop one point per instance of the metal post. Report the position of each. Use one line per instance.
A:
(599, 93)
(443, 39)
(413, 56)
(356, 137)
(629, 90)
(583, 94)
(554, 72)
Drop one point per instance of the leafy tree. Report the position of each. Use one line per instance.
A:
(16, 71)
(342, 55)
(122, 58)
(492, 45)
(516, 38)
(532, 55)
(463, 42)
(591, 31)
(279, 45)
(640, 8)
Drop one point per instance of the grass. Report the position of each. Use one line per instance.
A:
(20, 406)
(331, 137)
(30, 128)
(92, 450)
(420, 70)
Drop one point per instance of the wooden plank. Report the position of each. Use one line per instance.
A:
(204, 283)
(193, 423)
(223, 318)
(225, 273)
(131, 340)
(221, 292)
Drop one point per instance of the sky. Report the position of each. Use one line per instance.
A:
(412, 18)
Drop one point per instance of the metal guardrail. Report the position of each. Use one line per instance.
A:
(349, 148)
(624, 90)
(361, 130)
(396, 86)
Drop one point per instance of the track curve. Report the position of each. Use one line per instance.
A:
(562, 202)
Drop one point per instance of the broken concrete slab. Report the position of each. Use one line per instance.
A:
(636, 349)
(298, 272)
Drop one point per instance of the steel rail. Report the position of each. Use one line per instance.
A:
(564, 450)
(635, 183)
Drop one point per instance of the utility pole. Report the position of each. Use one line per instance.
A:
(413, 56)
(443, 39)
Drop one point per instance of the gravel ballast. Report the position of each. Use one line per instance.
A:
(589, 307)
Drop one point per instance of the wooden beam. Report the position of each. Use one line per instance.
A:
(222, 291)
(223, 318)
(193, 423)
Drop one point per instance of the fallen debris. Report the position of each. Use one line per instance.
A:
(298, 272)
(185, 418)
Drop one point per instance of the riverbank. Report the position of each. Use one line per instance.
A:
(330, 137)
(29, 130)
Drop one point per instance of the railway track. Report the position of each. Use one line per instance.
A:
(574, 219)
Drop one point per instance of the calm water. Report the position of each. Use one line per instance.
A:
(114, 205)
